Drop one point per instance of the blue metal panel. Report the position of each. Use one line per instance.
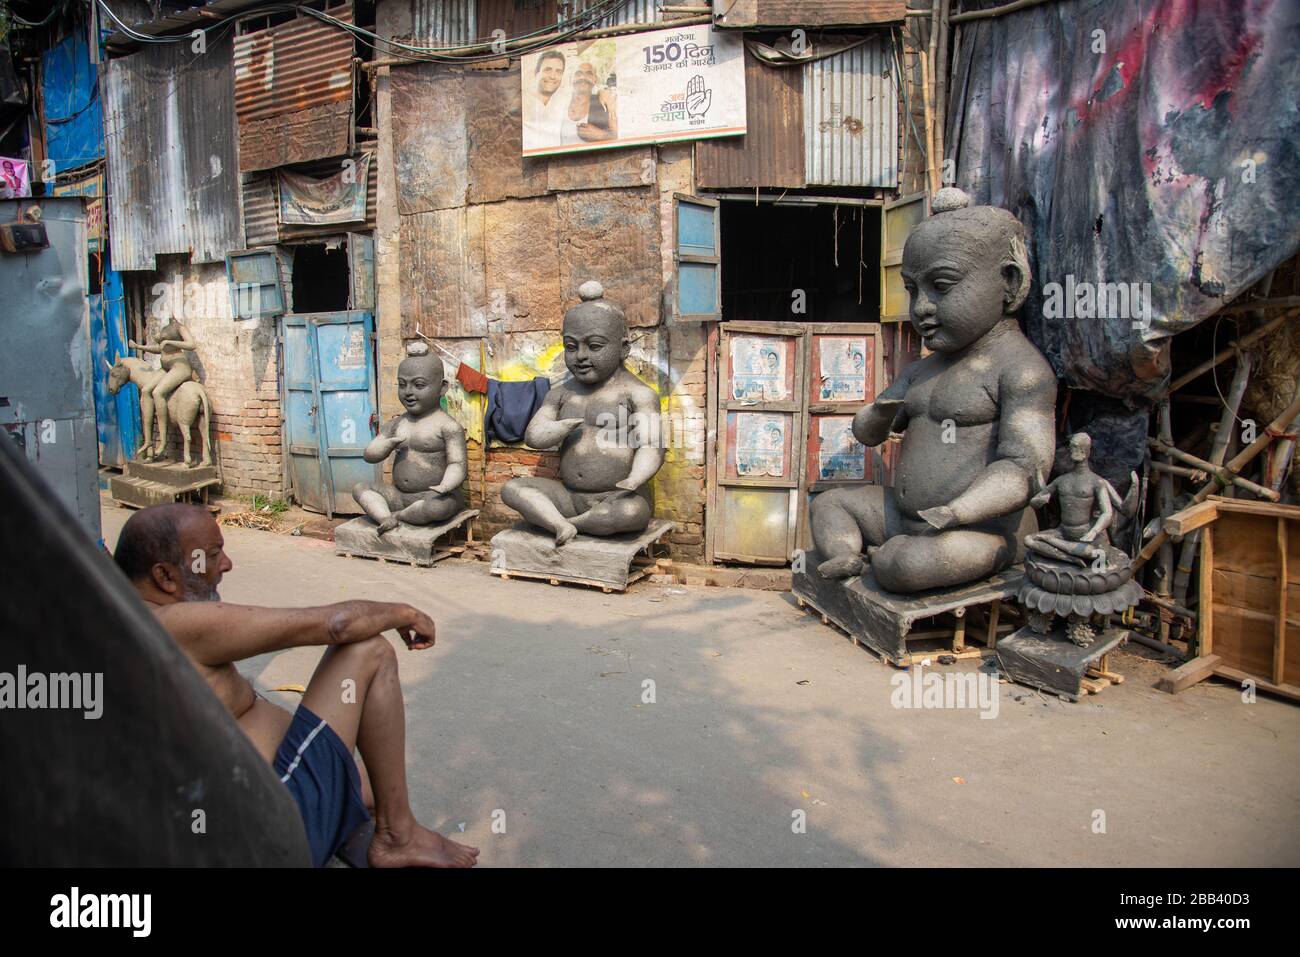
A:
(329, 399)
(117, 417)
(699, 296)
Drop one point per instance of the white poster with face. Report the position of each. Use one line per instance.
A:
(840, 455)
(683, 83)
(758, 369)
(760, 444)
(843, 370)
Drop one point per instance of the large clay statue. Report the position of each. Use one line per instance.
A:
(600, 419)
(976, 414)
(429, 466)
(173, 342)
(185, 404)
(1073, 570)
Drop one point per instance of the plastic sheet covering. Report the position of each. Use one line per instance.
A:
(74, 124)
(1147, 142)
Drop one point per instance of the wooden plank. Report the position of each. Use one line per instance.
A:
(1191, 518)
(1238, 539)
(1235, 674)
(1279, 635)
(1188, 674)
(1205, 621)
(808, 13)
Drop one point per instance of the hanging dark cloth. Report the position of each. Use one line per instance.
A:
(510, 407)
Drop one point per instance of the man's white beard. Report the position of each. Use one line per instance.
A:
(196, 588)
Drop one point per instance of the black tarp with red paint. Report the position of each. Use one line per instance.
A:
(1140, 142)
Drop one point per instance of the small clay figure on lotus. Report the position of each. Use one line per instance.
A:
(601, 419)
(429, 465)
(976, 415)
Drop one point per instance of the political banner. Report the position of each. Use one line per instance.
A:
(683, 83)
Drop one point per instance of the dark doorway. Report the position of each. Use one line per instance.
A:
(320, 278)
(830, 252)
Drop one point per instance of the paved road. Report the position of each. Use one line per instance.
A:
(531, 704)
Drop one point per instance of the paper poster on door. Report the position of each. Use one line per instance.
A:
(758, 369)
(760, 444)
(352, 355)
(840, 456)
(843, 370)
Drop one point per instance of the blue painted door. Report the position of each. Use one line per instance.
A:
(328, 393)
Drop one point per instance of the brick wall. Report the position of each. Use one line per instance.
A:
(237, 363)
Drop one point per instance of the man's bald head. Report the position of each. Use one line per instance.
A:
(172, 553)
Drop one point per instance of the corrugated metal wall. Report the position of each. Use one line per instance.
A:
(634, 11)
(173, 170)
(294, 90)
(850, 113)
(444, 22)
(261, 205)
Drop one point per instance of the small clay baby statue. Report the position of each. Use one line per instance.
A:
(430, 463)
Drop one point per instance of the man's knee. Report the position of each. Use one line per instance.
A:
(374, 652)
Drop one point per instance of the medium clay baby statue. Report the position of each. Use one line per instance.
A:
(597, 418)
(430, 463)
(977, 417)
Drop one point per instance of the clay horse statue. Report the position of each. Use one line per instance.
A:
(184, 405)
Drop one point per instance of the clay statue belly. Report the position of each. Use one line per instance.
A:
(415, 471)
(590, 464)
(932, 472)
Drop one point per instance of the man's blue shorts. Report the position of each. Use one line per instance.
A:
(320, 773)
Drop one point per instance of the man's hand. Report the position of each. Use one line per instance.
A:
(419, 634)
(593, 134)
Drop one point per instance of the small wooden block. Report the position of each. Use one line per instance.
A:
(1188, 674)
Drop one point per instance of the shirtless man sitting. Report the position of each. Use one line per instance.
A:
(175, 557)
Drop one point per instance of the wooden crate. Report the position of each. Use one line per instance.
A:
(1248, 613)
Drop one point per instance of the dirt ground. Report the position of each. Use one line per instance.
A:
(534, 711)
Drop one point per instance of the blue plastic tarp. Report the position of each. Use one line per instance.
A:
(74, 124)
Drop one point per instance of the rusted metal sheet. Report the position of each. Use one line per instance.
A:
(173, 174)
(294, 91)
(444, 22)
(850, 112)
(429, 140)
(494, 120)
(634, 11)
(806, 13)
(612, 235)
(443, 287)
(771, 153)
(261, 206)
(515, 17)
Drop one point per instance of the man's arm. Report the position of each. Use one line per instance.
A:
(217, 633)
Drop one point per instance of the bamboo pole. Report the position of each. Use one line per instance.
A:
(1245, 342)
(1238, 462)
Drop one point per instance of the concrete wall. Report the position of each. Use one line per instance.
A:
(237, 363)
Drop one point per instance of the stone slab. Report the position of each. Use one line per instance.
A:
(410, 544)
(1051, 662)
(527, 552)
(882, 620)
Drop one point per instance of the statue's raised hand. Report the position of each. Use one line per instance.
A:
(939, 518)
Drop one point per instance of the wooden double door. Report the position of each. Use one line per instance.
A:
(781, 410)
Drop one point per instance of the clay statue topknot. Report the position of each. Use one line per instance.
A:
(948, 199)
(417, 348)
(591, 289)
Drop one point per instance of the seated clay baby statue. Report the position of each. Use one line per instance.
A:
(976, 414)
(600, 418)
(430, 463)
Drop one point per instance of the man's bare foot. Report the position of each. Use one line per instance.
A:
(565, 533)
(387, 525)
(422, 848)
(842, 567)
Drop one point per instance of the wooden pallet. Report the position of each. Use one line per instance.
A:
(405, 545)
(608, 563)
